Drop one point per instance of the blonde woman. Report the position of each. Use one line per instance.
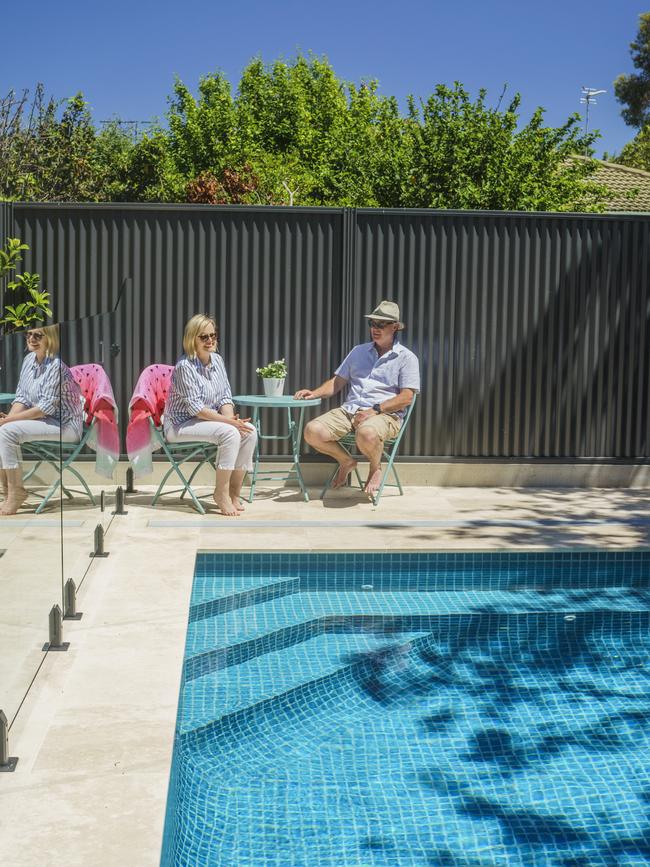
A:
(47, 407)
(199, 407)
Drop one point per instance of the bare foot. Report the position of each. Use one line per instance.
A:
(14, 501)
(238, 503)
(372, 484)
(343, 473)
(225, 505)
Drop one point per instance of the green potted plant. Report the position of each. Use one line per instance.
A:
(273, 376)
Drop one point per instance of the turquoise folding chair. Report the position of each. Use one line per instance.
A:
(60, 457)
(349, 444)
(178, 454)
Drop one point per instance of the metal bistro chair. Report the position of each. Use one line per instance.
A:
(95, 396)
(178, 454)
(349, 444)
(59, 456)
(146, 408)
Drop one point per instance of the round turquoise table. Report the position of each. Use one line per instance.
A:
(293, 408)
(7, 397)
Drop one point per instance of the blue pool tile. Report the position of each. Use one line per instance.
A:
(496, 712)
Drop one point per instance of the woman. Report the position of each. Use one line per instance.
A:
(47, 407)
(199, 407)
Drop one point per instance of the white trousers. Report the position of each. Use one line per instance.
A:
(235, 451)
(13, 433)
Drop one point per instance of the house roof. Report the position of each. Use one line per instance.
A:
(622, 181)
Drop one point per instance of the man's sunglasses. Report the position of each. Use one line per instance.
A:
(373, 323)
(208, 338)
(34, 335)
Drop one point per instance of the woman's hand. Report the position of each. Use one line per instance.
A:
(241, 425)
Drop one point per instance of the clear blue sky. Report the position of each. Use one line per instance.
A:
(124, 55)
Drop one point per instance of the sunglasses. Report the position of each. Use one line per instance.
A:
(34, 335)
(373, 323)
(208, 338)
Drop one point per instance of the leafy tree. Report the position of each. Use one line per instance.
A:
(151, 174)
(114, 148)
(46, 156)
(636, 153)
(232, 187)
(294, 133)
(464, 154)
(633, 91)
(201, 131)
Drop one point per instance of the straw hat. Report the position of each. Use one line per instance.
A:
(386, 311)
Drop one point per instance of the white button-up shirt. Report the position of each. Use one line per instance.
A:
(374, 378)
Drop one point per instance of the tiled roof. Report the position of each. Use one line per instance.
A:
(621, 180)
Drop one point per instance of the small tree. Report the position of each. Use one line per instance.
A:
(465, 154)
(633, 91)
(636, 153)
(35, 304)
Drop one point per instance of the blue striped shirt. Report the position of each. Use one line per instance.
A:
(51, 387)
(194, 387)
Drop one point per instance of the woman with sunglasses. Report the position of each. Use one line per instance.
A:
(199, 407)
(47, 407)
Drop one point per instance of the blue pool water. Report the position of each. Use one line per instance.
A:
(353, 710)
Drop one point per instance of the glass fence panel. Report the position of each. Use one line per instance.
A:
(32, 388)
(92, 467)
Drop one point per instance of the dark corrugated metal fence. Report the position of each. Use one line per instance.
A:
(6, 231)
(532, 329)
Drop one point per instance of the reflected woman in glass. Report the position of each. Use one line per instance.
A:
(47, 407)
(199, 407)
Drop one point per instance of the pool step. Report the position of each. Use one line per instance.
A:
(207, 588)
(239, 624)
(228, 690)
(441, 639)
(459, 652)
(243, 598)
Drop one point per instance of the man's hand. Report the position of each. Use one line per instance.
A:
(304, 394)
(362, 415)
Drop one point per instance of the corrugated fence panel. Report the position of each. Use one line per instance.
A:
(532, 329)
(6, 231)
(270, 276)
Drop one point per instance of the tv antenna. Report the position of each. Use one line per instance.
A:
(588, 98)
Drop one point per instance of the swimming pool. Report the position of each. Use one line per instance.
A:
(404, 709)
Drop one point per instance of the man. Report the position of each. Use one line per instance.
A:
(382, 378)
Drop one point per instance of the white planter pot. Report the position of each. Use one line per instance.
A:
(273, 387)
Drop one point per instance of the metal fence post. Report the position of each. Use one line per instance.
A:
(119, 501)
(98, 550)
(70, 601)
(7, 763)
(56, 641)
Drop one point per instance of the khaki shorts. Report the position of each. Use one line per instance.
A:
(339, 423)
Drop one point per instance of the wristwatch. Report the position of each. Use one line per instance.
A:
(376, 408)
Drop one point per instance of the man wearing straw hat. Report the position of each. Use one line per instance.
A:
(382, 377)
